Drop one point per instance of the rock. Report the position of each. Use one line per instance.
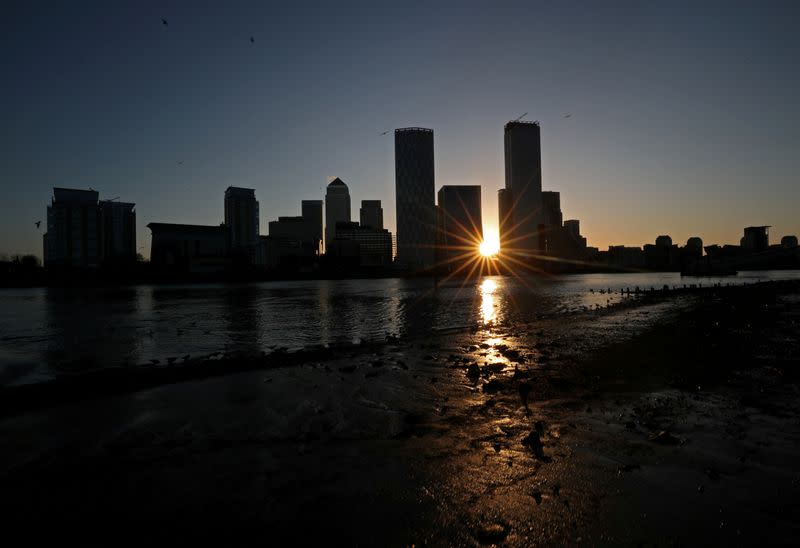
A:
(496, 447)
(628, 467)
(533, 442)
(511, 354)
(524, 391)
(485, 346)
(472, 348)
(537, 496)
(491, 533)
(664, 438)
(492, 386)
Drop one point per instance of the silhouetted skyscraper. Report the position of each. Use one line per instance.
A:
(461, 223)
(311, 210)
(337, 207)
(523, 162)
(573, 228)
(414, 195)
(119, 230)
(505, 203)
(241, 217)
(74, 229)
(371, 214)
(551, 209)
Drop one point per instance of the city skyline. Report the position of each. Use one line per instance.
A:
(639, 138)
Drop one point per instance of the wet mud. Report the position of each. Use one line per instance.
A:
(663, 421)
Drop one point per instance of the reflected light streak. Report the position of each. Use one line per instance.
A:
(488, 310)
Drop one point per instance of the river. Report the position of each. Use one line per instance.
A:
(48, 331)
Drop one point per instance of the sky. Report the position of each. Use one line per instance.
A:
(684, 115)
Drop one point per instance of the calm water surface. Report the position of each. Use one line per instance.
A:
(44, 331)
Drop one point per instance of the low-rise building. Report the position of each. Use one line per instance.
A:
(189, 248)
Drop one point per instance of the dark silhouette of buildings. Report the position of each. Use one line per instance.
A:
(755, 239)
(293, 242)
(83, 232)
(414, 196)
(532, 229)
(523, 167)
(74, 228)
(337, 207)
(119, 231)
(789, 241)
(361, 246)
(460, 224)
(190, 249)
(625, 257)
(551, 208)
(371, 214)
(311, 210)
(242, 218)
(505, 221)
(663, 256)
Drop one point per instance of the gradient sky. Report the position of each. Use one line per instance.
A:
(684, 115)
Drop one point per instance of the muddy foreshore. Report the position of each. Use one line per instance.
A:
(670, 419)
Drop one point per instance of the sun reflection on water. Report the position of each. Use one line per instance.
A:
(488, 308)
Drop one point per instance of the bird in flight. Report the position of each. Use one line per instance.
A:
(38, 224)
(180, 163)
(252, 40)
(164, 22)
(568, 115)
(385, 132)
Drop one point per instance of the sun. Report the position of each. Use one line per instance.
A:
(489, 247)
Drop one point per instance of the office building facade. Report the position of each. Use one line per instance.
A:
(460, 223)
(189, 248)
(523, 174)
(74, 230)
(505, 221)
(311, 210)
(337, 207)
(374, 245)
(414, 195)
(119, 230)
(551, 209)
(242, 219)
(371, 214)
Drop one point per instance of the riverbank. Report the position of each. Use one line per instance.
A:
(667, 420)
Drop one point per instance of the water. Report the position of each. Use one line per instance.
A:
(47, 331)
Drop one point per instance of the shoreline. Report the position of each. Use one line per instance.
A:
(117, 380)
